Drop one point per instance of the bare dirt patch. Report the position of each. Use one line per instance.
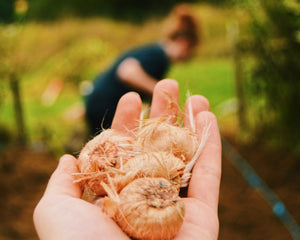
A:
(244, 213)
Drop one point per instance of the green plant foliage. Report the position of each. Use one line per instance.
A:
(73, 63)
(6, 11)
(275, 78)
(131, 10)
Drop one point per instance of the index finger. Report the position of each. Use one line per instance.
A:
(160, 103)
(127, 113)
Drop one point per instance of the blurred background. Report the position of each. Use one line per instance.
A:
(248, 66)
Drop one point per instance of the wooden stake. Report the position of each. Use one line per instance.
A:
(18, 108)
(233, 33)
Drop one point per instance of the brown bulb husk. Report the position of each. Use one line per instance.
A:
(147, 208)
(142, 175)
(152, 164)
(156, 164)
(159, 135)
(100, 156)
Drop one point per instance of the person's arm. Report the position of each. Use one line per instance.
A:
(131, 72)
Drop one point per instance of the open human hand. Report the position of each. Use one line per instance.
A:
(62, 214)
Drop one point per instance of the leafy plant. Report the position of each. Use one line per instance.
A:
(275, 77)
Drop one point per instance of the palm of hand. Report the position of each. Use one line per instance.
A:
(79, 219)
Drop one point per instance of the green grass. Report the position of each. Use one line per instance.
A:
(212, 79)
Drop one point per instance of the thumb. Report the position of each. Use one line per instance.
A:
(62, 181)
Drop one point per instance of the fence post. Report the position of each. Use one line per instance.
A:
(18, 108)
(233, 33)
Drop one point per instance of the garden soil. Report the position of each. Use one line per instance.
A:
(243, 212)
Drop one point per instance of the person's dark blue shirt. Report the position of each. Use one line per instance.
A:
(108, 88)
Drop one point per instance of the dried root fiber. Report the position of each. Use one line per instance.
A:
(137, 179)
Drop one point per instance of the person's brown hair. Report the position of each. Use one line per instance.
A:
(181, 23)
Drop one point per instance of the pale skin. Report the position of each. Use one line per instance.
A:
(62, 214)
